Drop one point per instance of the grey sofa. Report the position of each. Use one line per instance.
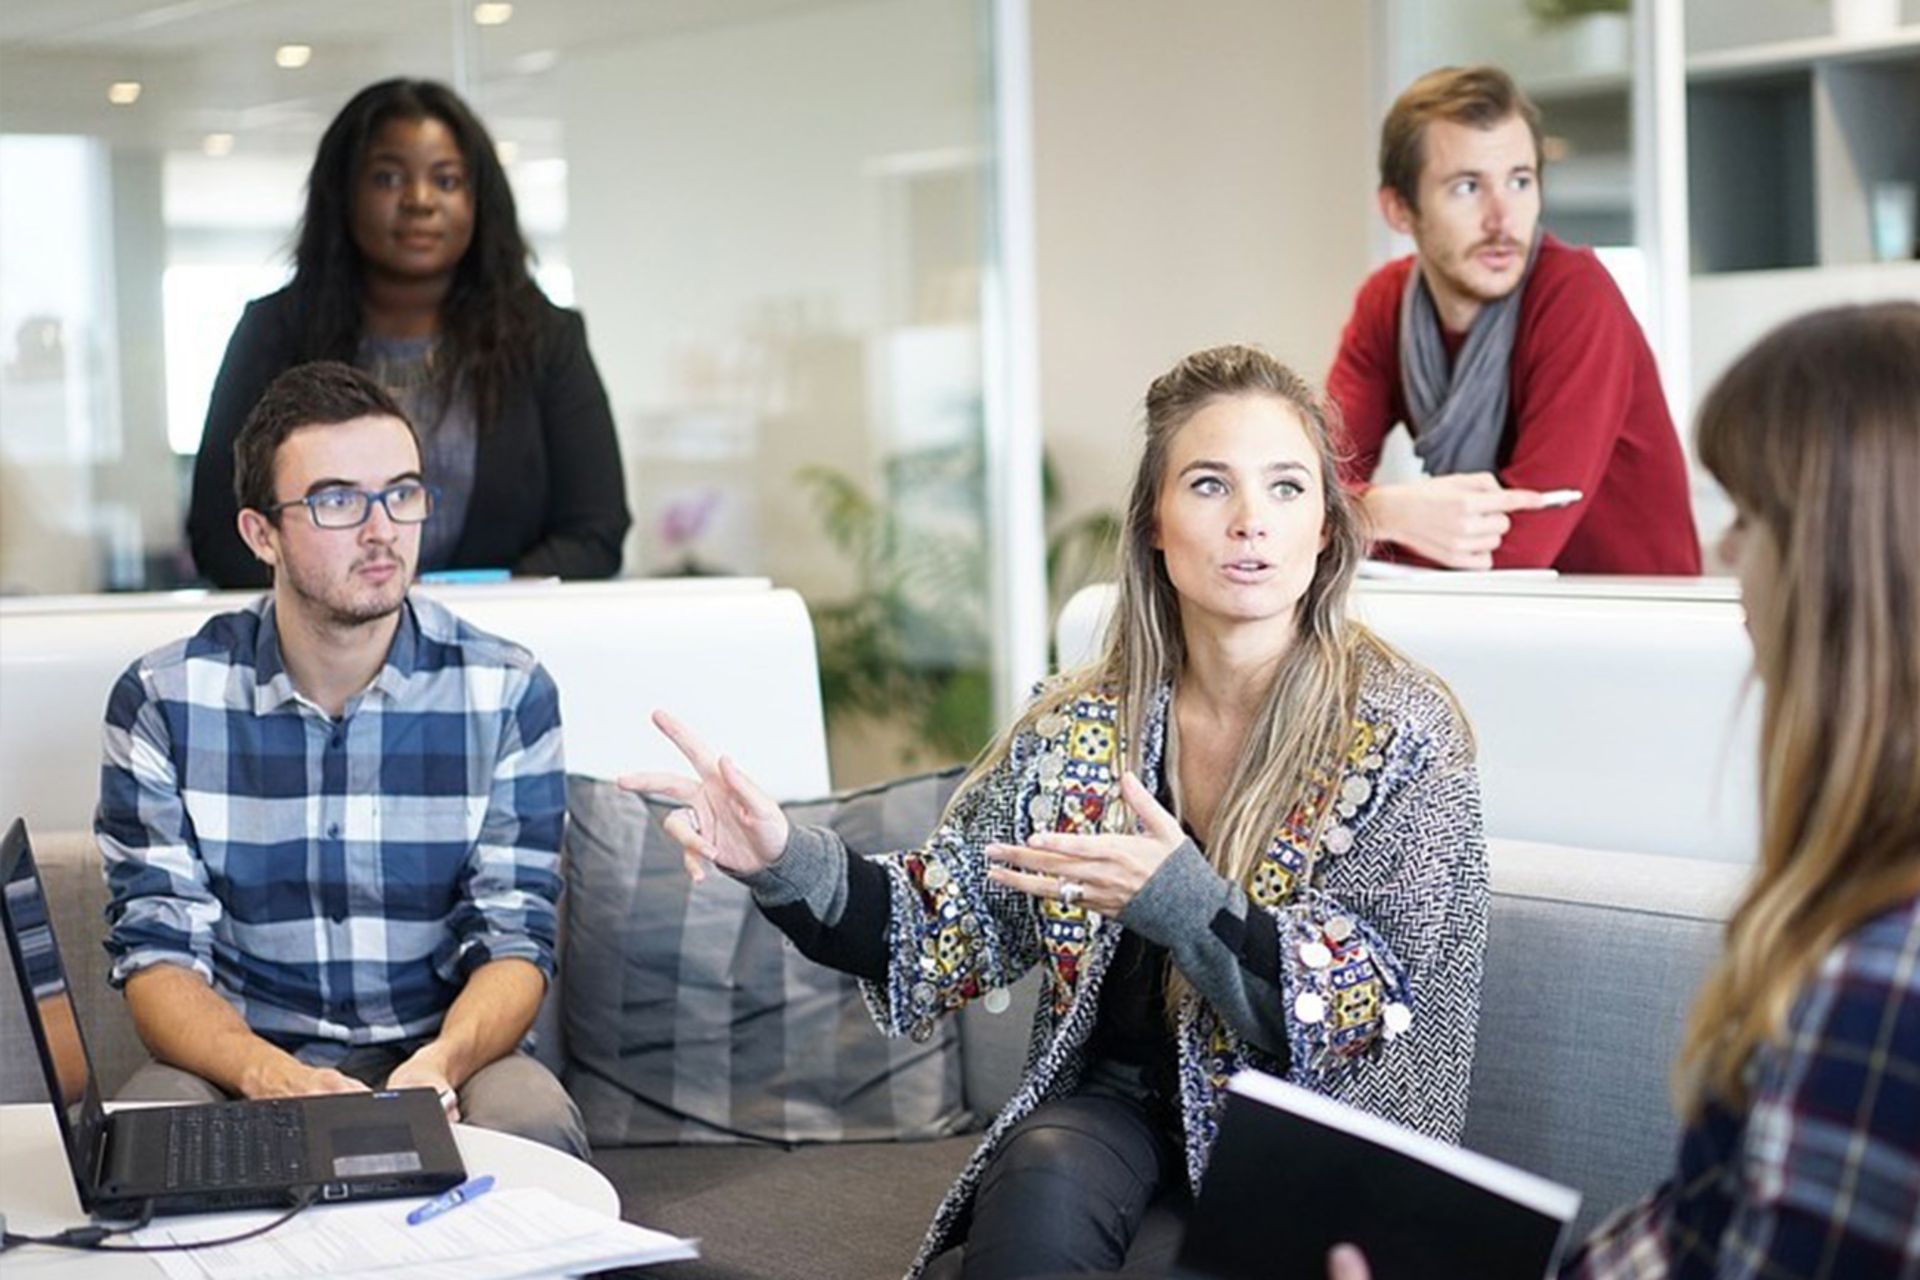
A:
(1592, 959)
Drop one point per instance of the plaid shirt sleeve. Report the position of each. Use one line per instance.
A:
(1827, 1182)
(160, 909)
(512, 882)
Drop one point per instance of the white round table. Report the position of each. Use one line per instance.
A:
(38, 1197)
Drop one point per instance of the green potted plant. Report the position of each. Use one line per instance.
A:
(910, 647)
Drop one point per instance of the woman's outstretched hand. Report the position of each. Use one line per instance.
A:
(1100, 872)
(724, 818)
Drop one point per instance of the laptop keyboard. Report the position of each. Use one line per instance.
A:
(237, 1145)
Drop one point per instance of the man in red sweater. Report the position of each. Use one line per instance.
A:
(1511, 357)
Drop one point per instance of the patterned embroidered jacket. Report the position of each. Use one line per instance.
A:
(1371, 968)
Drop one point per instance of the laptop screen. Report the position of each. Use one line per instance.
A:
(68, 1067)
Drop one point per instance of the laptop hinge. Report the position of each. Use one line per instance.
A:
(104, 1174)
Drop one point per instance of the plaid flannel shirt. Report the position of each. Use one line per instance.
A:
(1820, 1177)
(335, 880)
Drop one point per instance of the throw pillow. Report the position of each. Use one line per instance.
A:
(690, 1019)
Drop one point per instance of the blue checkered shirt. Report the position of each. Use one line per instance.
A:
(1820, 1175)
(335, 880)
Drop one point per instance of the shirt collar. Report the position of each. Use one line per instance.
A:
(403, 655)
(273, 688)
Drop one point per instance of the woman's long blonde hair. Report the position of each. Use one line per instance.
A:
(1306, 720)
(1815, 433)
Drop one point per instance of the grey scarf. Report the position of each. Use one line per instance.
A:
(1459, 413)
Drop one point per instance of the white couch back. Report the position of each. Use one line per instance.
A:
(1610, 713)
(733, 657)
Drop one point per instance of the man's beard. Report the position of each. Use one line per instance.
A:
(338, 608)
(1459, 274)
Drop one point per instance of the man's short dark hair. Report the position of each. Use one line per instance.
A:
(322, 393)
(1478, 97)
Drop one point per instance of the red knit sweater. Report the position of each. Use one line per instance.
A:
(1585, 412)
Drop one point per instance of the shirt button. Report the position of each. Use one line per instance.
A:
(333, 831)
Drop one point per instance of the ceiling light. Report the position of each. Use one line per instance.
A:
(123, 93)
(507, 150)
(491, 13)
(217, 145)
(292, 56)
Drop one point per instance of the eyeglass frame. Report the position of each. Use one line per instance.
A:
(369, 495)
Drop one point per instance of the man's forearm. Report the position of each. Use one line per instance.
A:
(185, 1023)
(488, 1019)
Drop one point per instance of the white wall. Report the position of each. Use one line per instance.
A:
(1204, 174)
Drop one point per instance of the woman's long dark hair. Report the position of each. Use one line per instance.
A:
(489, 320)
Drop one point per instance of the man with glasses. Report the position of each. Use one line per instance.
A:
(331, 821)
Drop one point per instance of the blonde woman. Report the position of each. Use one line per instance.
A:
(1799, 1079)
(1248, 835)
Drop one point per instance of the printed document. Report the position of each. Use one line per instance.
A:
(504, 1235)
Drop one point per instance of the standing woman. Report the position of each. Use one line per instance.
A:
(1799, 1079)
(410, 264)
(1249, 835)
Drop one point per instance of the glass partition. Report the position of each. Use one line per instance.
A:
(774, 214)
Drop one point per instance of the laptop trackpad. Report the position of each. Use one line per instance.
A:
(367, 1150)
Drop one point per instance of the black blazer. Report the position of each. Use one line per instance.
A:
(549, 497)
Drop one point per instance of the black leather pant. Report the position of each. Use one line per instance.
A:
(1068, 1189)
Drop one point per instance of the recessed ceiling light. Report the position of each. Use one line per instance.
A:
(491, 13)
(123, 93)
(217, 144)
(292, 56)
(533, 62)
(507, 150)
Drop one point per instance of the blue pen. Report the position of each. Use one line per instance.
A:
(471, 1189)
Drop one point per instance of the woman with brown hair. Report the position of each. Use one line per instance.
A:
(1248, 835)
(1799, 1079)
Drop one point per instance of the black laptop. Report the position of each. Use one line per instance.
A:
(210, 1156)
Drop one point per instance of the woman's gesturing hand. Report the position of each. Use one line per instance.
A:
(1100, 872)
(724, 818)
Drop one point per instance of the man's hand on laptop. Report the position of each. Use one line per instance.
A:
(1456, 521)
(285, 1076)
(422, 1071)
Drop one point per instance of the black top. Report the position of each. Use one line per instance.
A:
(549, 497)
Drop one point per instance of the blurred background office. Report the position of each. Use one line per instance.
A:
(852, 269)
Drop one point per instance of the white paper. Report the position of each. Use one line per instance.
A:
(504, 1235)
(1393, 570)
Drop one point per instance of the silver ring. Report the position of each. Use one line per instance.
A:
(1071, 891)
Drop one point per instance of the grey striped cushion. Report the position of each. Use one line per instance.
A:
(690, 1019)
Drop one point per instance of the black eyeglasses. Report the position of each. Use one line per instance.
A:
(409, 502)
